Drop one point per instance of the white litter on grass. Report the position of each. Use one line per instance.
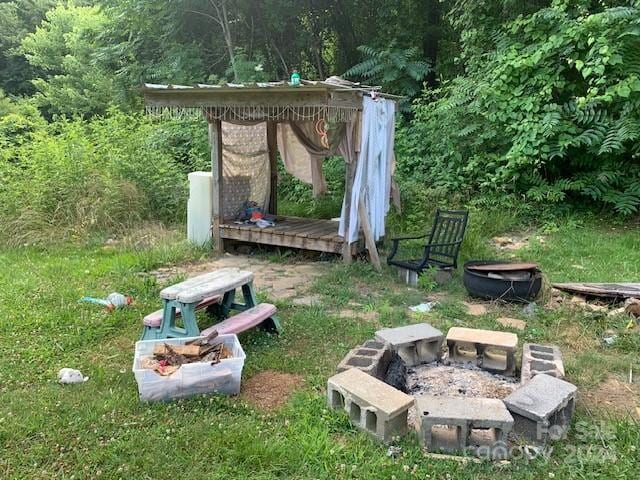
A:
(394, 451)
(423, 307)
(69, 375)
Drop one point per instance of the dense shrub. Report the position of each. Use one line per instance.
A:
(551, 113)
(71, 177)
(296, 197)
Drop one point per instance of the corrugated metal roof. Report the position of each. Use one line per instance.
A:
(330, 84)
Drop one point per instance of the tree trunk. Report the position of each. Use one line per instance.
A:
(430, 38)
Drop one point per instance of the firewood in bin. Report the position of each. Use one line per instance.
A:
(217, 353)
(167, 359)
(172, 357)
(203, 340)
(185, 350)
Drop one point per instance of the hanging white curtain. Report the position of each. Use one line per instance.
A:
(372, 180)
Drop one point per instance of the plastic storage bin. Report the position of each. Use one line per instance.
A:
(192, 378)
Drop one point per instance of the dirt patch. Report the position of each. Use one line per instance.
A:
(307, 301)
(614, 396)
(270, 389)
(575, 337)
(279, 281)
(514, 242)
(508, 322)
(366, 316)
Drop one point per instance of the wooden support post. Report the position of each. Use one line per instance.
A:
(368, 235)
(348, 187)
(272, 145)
(215, 140)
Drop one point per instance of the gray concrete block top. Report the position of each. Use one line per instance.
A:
(383, 397)
(476, 410)
(505, 340)
(409, 334)
(541, 397)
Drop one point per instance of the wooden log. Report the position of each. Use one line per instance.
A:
(368, 235)
(272, 145)
(186, 350)
(215, 140)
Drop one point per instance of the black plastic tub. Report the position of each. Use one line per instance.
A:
(481, 285)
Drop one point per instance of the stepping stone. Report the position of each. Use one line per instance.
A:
(419, 343)
(307, 301)
(512, 323)
(476, 309)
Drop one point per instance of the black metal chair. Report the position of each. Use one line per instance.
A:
(442, 247)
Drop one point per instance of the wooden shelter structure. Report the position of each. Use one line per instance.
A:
(333, 108)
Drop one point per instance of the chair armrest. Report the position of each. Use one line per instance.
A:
(396, 242)
(408, 237)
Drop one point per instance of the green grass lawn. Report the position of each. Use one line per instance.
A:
(100, 430)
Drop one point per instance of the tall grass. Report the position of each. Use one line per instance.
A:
(72, 177)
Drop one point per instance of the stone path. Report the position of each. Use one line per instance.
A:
(280, 281)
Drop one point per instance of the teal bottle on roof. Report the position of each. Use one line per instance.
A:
(295, 78)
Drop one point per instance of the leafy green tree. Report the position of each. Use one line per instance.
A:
(63, 47)
(398, 71)
(17, 19)
(551, 112)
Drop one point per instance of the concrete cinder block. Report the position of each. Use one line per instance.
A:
(408, 276)
(488, 349)
(455, 424)
(373, 357)
(440, 276)
(419, 343)
(372, 405)
(542, 408)
(541, 359)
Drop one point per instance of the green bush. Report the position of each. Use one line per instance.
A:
(296, 197)
(72, 177)
(551, 113)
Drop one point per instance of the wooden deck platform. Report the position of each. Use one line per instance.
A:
(293, 232)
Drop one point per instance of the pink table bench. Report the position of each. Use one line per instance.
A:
(243, 320)
(214, 288)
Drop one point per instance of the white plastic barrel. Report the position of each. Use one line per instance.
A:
(199, 208)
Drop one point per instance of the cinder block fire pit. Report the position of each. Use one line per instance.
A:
(467, 398)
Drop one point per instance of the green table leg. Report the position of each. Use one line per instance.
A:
(169, 329)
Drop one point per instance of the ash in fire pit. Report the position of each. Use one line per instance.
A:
(458, 381)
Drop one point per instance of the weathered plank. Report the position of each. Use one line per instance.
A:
(606, 290)
(272, 147)
(215, 140)
(503, 267)
(293, 232)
